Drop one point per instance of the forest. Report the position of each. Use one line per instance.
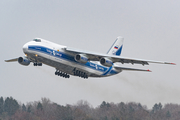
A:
(11, 109)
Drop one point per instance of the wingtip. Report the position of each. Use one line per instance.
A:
(173, 63)
(170, 63)
(149, 70)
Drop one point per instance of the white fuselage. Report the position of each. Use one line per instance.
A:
(55, 55)
(69, 61)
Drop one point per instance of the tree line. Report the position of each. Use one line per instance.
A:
(44, 109)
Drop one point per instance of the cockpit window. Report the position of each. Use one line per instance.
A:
(37, 40)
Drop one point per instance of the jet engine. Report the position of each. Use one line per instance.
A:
(81, 58)
(23, 61)
(106, 62)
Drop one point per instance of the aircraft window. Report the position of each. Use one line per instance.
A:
(37, 40)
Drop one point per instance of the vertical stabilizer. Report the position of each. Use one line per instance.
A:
(116, 48)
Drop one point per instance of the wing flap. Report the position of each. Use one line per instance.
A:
(12, 60)
(131, 69)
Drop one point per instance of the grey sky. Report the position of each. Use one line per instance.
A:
(151, 30)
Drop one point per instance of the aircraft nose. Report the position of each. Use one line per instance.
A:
(25, 48)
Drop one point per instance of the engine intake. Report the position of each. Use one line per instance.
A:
(81, 58)
(106, 62)
(23, 61)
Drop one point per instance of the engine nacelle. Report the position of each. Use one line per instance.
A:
(23, 61)
(106, 62)
(81, 58)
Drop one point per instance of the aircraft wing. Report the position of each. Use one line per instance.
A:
(12, 60)
(97, 56)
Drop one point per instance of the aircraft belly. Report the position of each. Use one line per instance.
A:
(65, 62)
(46, 60)
(61, 64)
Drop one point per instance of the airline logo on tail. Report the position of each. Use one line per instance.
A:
(117, 51)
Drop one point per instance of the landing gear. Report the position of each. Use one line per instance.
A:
(80, 74)
(62, 74)
(37, 64)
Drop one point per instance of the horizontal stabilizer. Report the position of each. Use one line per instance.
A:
(12, 60)
(131, 69)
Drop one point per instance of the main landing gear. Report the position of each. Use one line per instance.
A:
(80, 74)
(61, 74)
(37, 64)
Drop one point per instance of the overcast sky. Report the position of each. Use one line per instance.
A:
(151, 30)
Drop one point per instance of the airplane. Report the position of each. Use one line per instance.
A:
(69, 61)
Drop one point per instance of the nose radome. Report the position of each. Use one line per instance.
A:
(25, 47)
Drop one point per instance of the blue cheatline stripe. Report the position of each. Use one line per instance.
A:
(112, 72)
(107, 71)
(118, 52)
(67, 57)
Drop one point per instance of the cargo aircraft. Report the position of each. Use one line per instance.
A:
(69, 61)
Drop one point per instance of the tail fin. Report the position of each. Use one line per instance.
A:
(116, 48)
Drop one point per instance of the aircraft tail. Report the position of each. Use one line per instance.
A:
(116, 48)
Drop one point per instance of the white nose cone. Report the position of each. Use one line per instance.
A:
(25, 48)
